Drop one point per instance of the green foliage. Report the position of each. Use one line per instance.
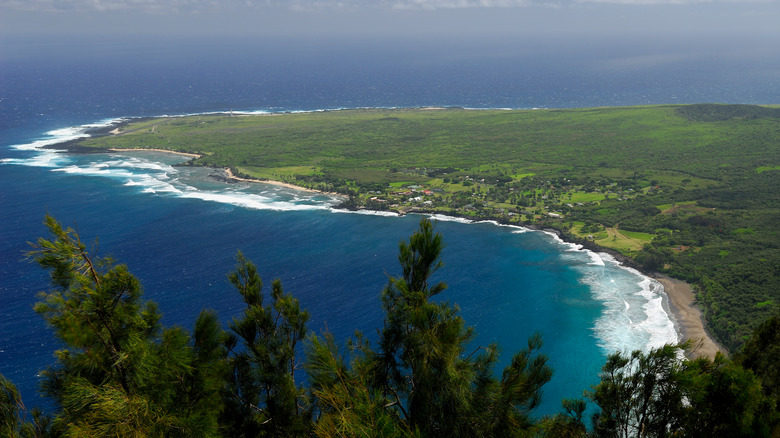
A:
(11, 408)
(15, 420)
(713, 112)
(569, 424)
(346, 401)
(658, 395)
(120, 371)
(761, 354)
(421, 345)
(122, 374)
(420, 378)
(263, 397)
(725, 400)
(638, 395)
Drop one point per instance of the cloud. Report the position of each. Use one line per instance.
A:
(674, 2)
(648, 2)
(419, 5)
(459, 4)
(178, 6)
(151, 6)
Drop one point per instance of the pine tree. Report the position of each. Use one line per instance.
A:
(639, 394)
(420, 378)
(11, 409)
(657, 394)
(121, 373)
(263, 397)
(440, 388)
(347, 404)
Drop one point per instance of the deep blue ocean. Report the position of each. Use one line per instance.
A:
(179, 230)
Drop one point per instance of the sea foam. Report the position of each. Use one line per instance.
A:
(366, 212)
(51, 157)
(445, 218)
(151, 175)
(634, 316)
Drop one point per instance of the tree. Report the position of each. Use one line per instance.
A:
(345, 400)
(420, 378)
(761, 354)
(263, 396)
(14, 419)
(569, 424)
(11, 408)
(120, 372)
(725, 399)
(422, 362)
(658, 394)
(639, 395)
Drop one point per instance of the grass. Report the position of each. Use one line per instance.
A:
(681, 207)
(520, 143)
(586, 197)
(623, 241)
(275, 173)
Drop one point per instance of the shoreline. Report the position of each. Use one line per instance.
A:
(185, 154)
(683, 311)
(688, 318)
(230, 176)
(229, 173)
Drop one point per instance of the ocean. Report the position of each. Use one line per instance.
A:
(178, 229)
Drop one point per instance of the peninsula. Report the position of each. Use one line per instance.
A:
(686, 191)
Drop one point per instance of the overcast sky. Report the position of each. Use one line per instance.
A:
(357, 18)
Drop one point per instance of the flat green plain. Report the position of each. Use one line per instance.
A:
(634, 138)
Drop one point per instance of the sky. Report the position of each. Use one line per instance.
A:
(391, 18)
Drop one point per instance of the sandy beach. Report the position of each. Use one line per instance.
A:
(277, 183)
(689, 318)
(186, 154)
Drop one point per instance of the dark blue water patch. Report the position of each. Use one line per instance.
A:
(93, 80)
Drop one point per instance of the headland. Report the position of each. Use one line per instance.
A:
(684, 190)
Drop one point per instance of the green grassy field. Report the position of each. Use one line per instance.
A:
(483, 141)
(669, 186)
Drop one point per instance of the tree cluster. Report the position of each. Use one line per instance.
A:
(120, 373)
